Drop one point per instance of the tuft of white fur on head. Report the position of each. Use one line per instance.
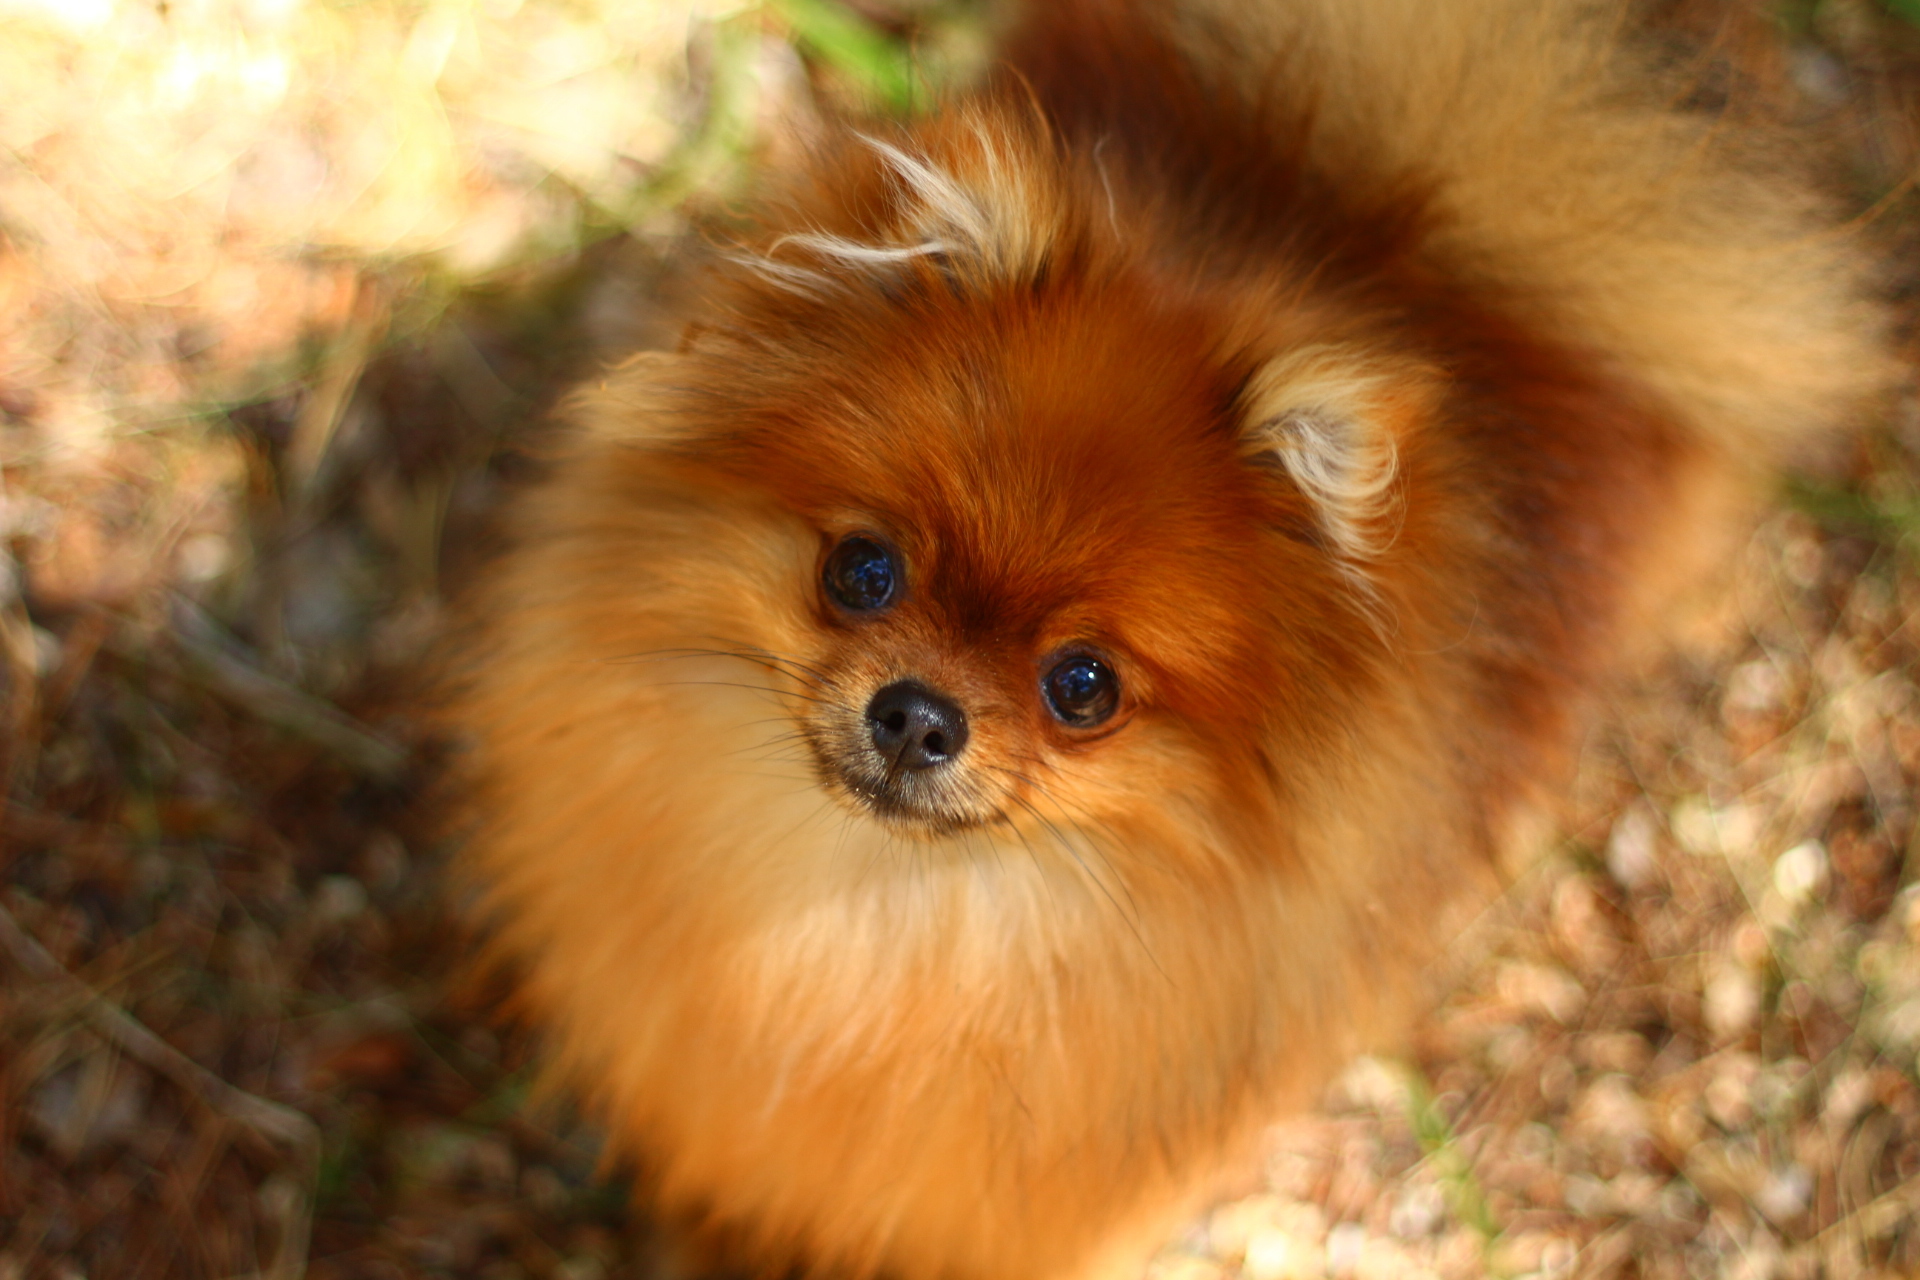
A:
(1328, 416)
(977, 212)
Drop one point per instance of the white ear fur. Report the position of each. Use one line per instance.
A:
(1328, 417)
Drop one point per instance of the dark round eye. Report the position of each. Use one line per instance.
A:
(1081, 691)
(860, 575)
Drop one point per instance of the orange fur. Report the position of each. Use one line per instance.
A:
(1359, 379)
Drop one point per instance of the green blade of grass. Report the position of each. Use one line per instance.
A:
(882, 67)
(1889, 516)
(1907, 9)
(1464, 1195)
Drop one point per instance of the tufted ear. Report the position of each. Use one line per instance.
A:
(1331, 419)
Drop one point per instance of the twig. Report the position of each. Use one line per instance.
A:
(269, 1119)
(326, 405)
(20, 732)
(77, 654)
(1874, 1218)
(218, 660)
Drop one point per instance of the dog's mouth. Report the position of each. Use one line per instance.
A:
(900, 802)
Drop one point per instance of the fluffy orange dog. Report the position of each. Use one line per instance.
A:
(993, 717)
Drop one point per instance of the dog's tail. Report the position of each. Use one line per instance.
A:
(1687, 247)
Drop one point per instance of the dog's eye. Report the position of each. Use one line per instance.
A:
(860, 575)
(1081, 690)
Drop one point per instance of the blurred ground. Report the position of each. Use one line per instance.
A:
(285, 288)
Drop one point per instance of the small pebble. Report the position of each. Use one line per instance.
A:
(1785, 1194)
(338, 899)
(1277, 1255)
(1345, 1244)
(1631, 857)
(1417, 1212)
(1731, 1001)
(1800, 874)
(47, 652)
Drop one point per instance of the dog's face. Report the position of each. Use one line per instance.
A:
(1022, 533)
(1030, 569)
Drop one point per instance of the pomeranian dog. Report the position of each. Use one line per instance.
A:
(1010, 703)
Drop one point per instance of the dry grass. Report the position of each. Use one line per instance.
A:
(285, 286)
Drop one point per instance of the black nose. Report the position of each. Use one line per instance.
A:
(914, 727)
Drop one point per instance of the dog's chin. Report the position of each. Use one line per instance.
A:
(901, 809)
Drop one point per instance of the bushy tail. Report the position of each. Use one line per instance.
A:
(1686, 248)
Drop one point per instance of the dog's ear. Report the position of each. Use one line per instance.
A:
(1331, 420)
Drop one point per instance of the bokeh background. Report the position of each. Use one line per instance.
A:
(287, 291)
